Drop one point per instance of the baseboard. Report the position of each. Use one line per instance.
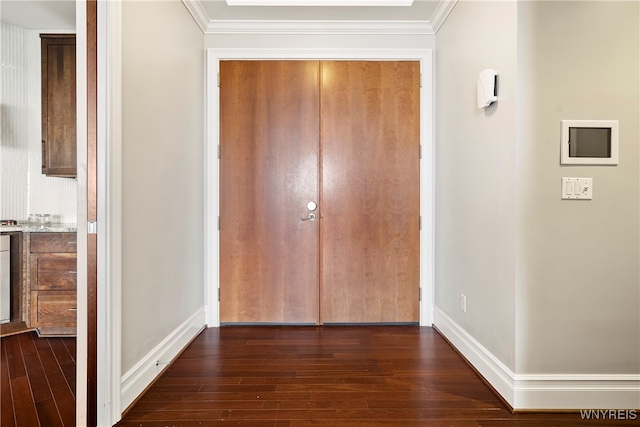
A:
(542, 392)
(138, 378)
(577, 392)
(490, 367)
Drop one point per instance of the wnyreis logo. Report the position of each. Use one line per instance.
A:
(609, 414)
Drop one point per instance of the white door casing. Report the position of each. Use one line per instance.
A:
(212, 165)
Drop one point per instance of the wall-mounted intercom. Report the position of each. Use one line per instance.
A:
(487, 88)
(589, 142)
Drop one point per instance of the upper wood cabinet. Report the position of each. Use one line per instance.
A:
(58, 104)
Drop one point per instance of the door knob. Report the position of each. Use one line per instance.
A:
(310, 217)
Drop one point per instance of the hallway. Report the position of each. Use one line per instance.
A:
(334, 376)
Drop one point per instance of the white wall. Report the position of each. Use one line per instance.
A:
(162, 177)
(317, 41)
(24, 189)
(553, 286)
(475, 175)
(578, 289)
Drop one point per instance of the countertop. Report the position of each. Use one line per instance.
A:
(51, 228)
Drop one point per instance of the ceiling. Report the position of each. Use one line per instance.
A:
(209, 14)
(39, 14)
(218, 10)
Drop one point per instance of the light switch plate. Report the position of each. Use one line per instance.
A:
(577, 188)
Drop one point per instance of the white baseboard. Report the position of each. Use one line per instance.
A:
(138, 378)
(577, 392)
(544, 392)
(489, 366)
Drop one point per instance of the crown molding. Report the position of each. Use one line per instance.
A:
(199, 14)
(319, 27)
(417, 27)
(440, 14)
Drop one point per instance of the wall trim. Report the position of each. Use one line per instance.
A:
(489, 366)
(197, 11)
(441, 13)
(82, 331)
(325, 27)
(577, 391)
(109, 181)
(542, 391)
(212, 167)
(143, 373)
(319, 27)
(211, 26)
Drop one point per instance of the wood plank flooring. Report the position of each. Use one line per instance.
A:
(37, 381)
(336, 376)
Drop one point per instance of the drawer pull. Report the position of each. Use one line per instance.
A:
(72, 272)
(72, 309)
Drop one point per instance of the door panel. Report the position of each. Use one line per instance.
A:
(370, 192)
(269, 124)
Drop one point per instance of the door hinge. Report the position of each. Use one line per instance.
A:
(218, 294)
(420, 222)
(420, 154)
(92, 227)
(218, 79)
(420, 79)
(419, 294)
(218, 151)
(218, 223)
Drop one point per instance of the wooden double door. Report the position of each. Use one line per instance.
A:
(345, 136)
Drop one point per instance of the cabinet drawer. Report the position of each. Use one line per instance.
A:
(53, 271)
(53, 242)
(54, 308)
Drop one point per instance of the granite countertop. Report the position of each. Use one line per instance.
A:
(51, 228)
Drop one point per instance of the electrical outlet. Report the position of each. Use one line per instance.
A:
(463, 303)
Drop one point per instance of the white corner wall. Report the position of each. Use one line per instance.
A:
(552, 286)
(578, 283)
(475, 177)
(162, 188)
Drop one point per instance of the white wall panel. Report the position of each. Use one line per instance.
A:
(24, 188)
(14, 155)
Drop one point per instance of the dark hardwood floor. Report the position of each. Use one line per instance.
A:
(381, 376)
(37, 381)
(331, 376)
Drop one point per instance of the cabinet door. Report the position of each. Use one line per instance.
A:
(53, 242)
(53, 271)
(54, 313)
(58, 57)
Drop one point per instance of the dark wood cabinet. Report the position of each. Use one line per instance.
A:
(58, 57)
(53, 283)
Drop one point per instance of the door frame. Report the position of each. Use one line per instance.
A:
(212, 161)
